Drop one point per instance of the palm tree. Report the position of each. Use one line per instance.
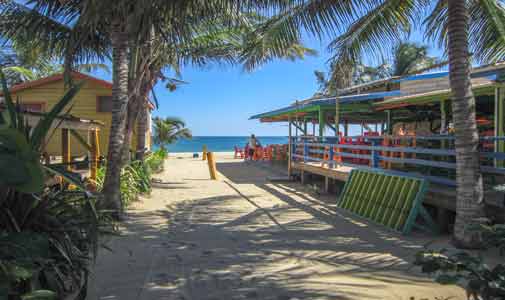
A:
(470, 191)
(408, 58)
(211, 43)
(168, 131)
(376, 26)
(78, 30)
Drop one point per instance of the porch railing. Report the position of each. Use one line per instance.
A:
(415, 155)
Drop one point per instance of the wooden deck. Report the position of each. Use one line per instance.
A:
(440, 196)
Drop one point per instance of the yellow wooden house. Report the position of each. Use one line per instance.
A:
(92, 102)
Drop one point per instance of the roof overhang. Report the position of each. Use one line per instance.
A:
(58, 77)
(430, 97)
(325, 103)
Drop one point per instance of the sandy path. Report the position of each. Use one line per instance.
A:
(244, 238)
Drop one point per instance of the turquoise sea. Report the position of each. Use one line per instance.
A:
(221, 143)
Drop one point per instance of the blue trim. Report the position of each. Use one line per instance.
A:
(491, 75)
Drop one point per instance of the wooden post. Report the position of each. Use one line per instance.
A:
(94, 154)
(321, 122)
(326, 184)
(443, 125)
(65, 147)
(389, 122)
(443, 117)
(337, 117)
(212, 165)
(346, 128)
(290, 147)
(499, 123)
(204, 152)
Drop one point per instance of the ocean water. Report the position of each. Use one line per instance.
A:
(221, 143)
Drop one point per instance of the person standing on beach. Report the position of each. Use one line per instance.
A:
(253, 142)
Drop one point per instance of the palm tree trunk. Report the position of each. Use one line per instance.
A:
(131, 119)
(141, 133)
(469, 205)
(111, 188)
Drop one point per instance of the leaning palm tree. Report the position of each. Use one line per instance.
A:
(168, 131)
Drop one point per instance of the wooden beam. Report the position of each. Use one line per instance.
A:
(331, 127)
(289, 147)
(389, 122)
(94, 153)
(65, 147)
(321, 121)
(337, 116)
(499, 122)
(80, 139)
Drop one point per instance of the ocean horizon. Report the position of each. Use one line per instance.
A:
(220, 143)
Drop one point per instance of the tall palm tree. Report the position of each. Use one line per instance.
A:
(169, 130)
(470, 191)
(375, 26)
(79, 29)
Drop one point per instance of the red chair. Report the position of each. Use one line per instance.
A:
(258, 153)
(239, 153)
(246, 152)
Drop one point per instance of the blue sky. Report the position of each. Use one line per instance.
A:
(219, 99)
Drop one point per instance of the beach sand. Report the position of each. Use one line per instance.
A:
(242, 237)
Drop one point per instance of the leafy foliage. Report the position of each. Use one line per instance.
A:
(169, 130)
(136, 176)
(407, 58)
(450, 267)
(48, 234)
(156, 160)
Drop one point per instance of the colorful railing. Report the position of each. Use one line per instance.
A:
(406, 155)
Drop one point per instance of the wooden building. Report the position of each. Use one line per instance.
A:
(92, 102)
(406, 130)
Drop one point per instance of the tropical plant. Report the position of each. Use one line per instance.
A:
(156, 160)
(168, 131)
(481, 280)
(48, 234)
(407, 58)
(135, 180)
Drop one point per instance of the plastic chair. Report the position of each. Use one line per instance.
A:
(239, 153)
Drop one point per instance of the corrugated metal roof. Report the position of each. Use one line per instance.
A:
(327, 101)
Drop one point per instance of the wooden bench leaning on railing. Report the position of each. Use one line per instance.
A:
(414, 160)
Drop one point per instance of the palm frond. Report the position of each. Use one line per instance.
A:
(380, 29)
(486, 32)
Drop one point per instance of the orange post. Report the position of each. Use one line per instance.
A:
(212, 165)
(204, 152)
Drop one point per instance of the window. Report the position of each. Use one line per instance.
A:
(32, 107)
(104, 104)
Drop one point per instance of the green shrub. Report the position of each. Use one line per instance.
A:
(135, 180)
(48, 234)
(155, 160)
(481, 280)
